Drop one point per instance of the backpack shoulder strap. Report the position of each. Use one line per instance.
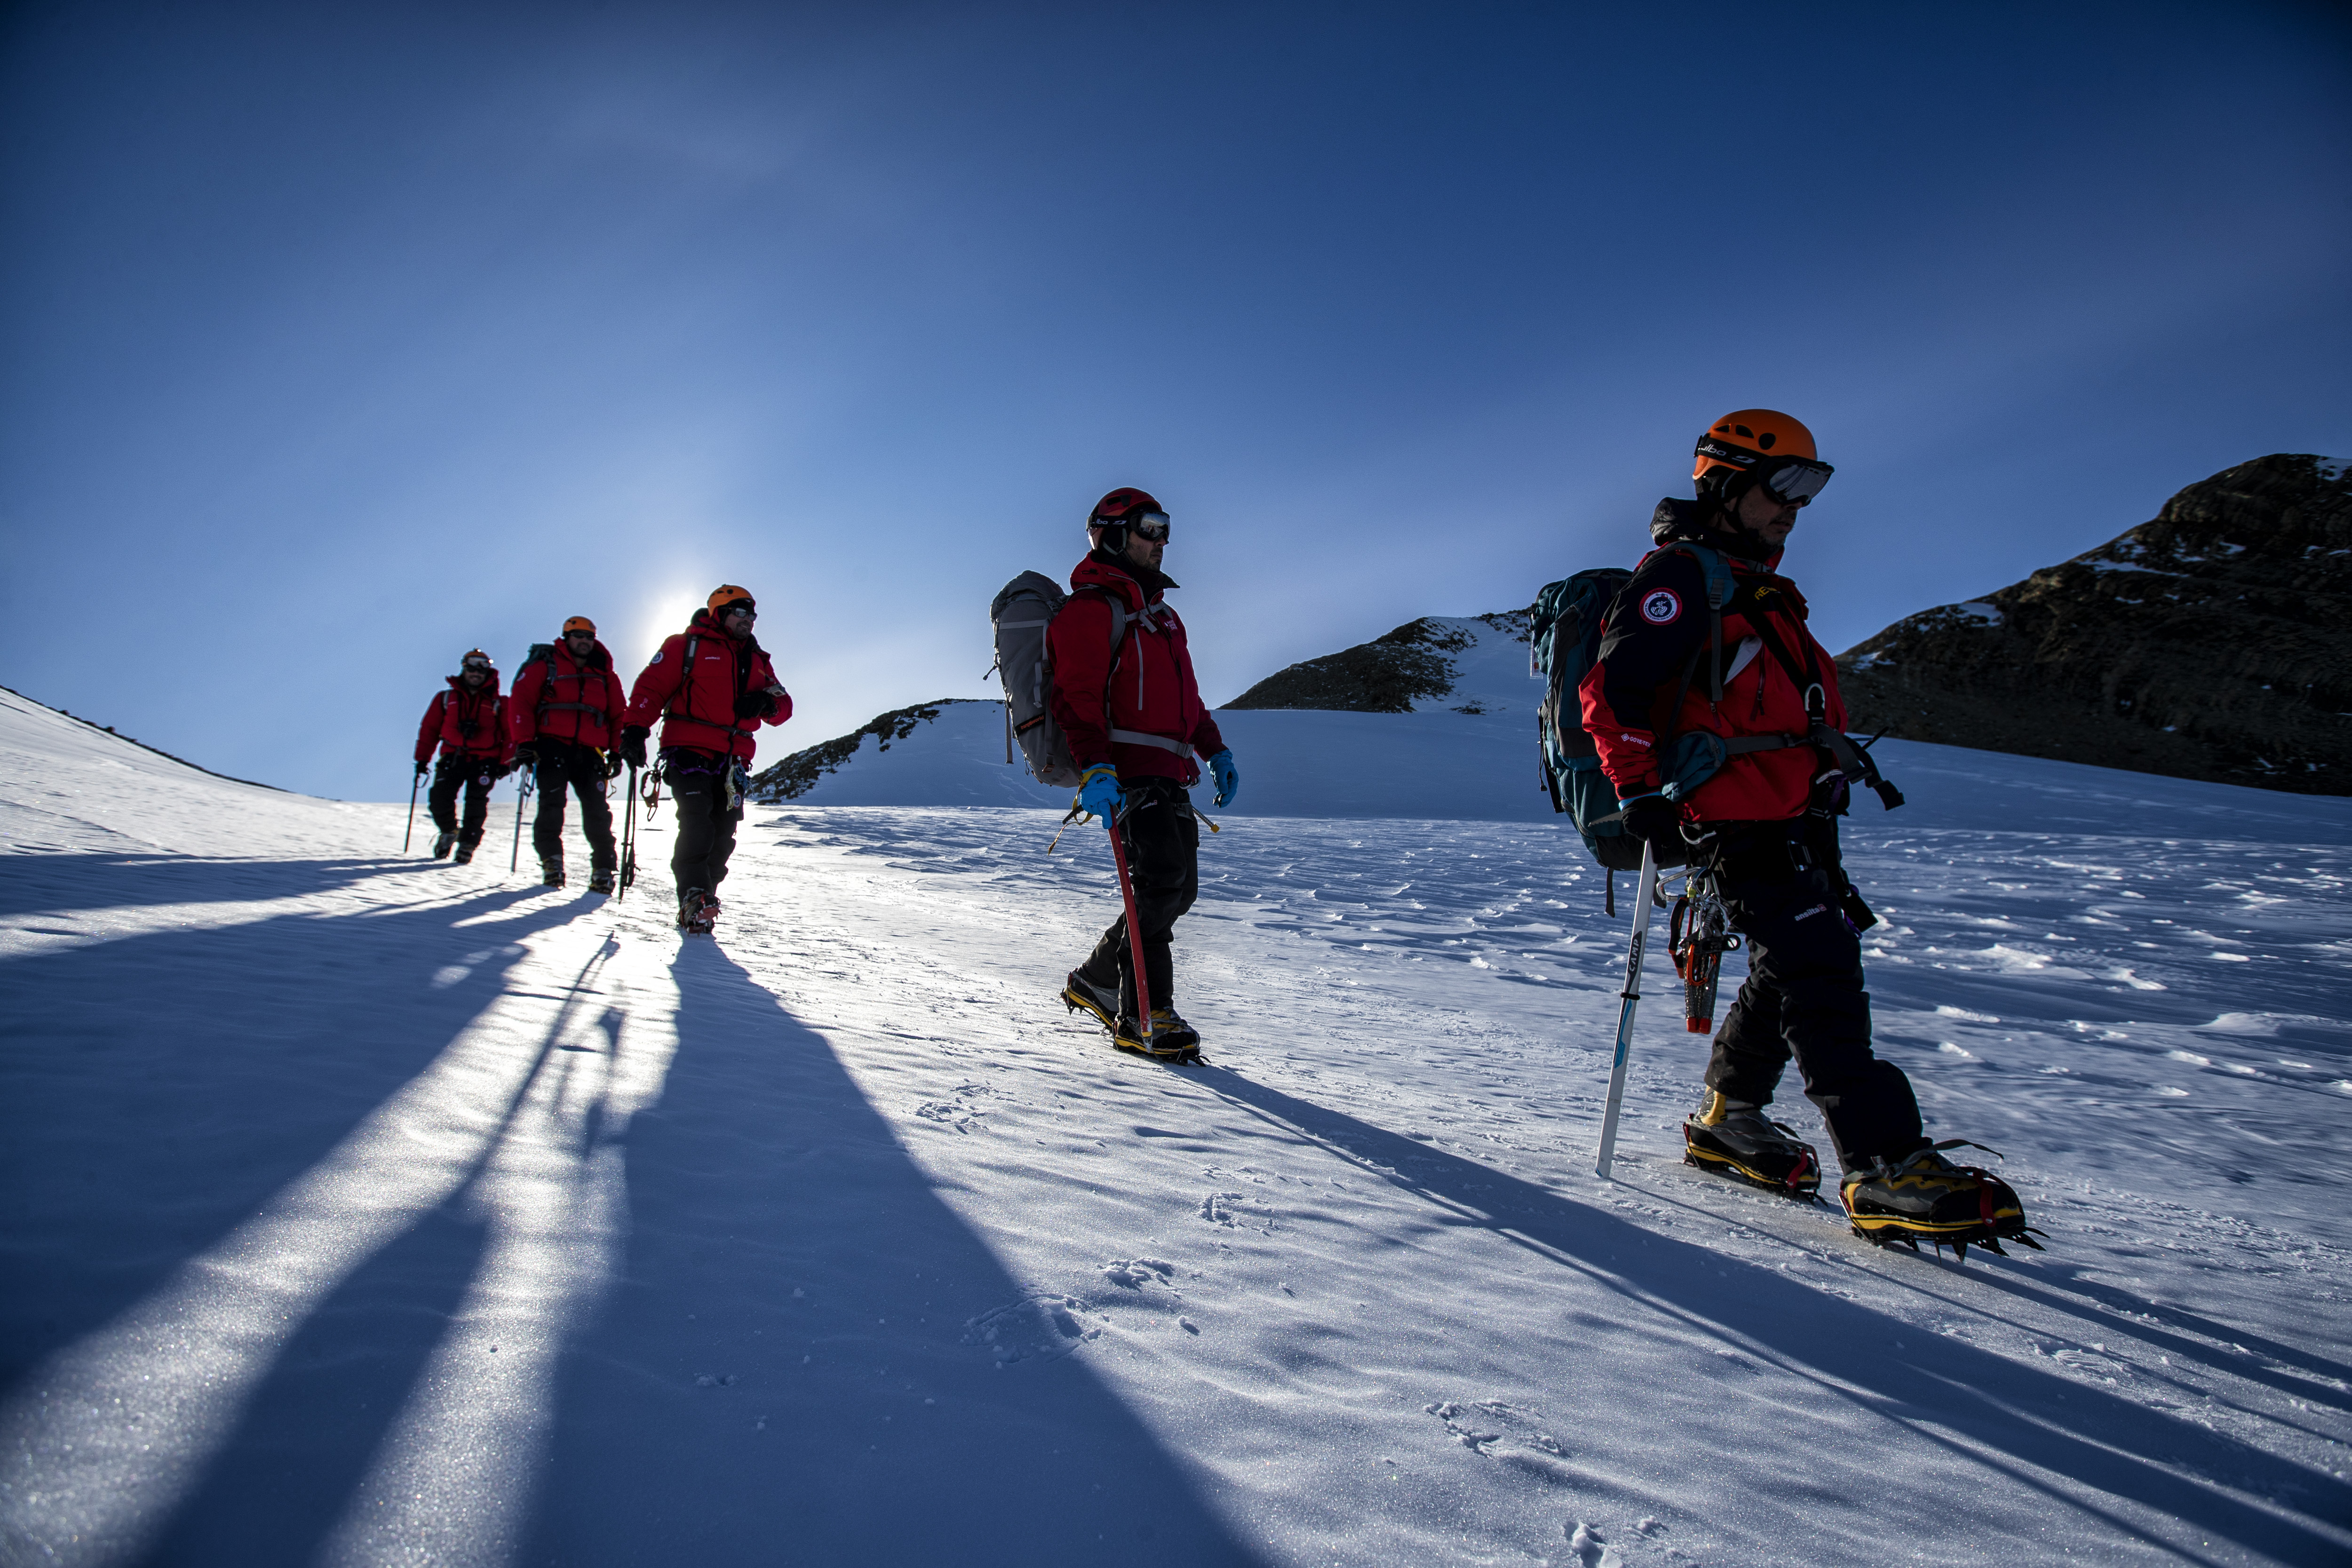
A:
(685, 692)
(1720, 587)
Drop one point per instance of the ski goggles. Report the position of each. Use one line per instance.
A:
(1151, 525)
(475, 661)
(1793, 481)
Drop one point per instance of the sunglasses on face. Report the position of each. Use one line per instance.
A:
(746, 611)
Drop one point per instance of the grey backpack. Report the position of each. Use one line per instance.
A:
(1020, 615)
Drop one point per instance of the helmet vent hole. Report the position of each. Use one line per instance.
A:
(1766, 440)
(1744, 430)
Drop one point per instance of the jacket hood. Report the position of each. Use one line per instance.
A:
(1676, 520)
(1102, 570)
(705, 624)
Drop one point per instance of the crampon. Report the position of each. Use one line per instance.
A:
(1925, 1197)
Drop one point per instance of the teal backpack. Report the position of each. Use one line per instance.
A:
(1563, 640)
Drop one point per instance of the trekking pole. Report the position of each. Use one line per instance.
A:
(628, 838)
(410, 830)
(1134, 935)
(523, 793)
(1632, 995)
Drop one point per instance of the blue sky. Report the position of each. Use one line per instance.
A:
(340, 339)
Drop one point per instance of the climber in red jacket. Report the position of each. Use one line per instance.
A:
(468, 724)
(1717, 717)
(1124, 695)
(567, 711)
(711, 687)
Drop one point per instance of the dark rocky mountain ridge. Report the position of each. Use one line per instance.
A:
(2207, 643)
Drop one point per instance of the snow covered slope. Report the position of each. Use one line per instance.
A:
(368, 1211)
(1437, 765)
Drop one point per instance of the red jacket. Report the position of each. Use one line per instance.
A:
(1654, 630)
(563, 699)
(697, 712)
(1144, 686)
(466, 722)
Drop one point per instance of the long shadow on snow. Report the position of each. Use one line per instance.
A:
(2053, 1424)
(307, 1435)
(69, 880)
(154, 1092)
(781, 1371)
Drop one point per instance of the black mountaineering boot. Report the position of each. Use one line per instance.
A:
(550, 873)
(696, 910)
(464, 856)
(600, 880)
(1733, 1138)
(1922, 1196)
(1078, 992)
(441, 844)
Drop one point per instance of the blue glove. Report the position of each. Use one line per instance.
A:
(1227, 777)
(1098, 792)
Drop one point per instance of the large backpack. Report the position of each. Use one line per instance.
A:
(1563, 640)
(544, 653)
(1020, 615)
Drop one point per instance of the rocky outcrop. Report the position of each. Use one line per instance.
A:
(2207, 644)
(1388, 675)
(798, 774)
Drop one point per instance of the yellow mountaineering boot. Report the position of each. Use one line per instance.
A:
(1922, 1196)
(1732, 1138)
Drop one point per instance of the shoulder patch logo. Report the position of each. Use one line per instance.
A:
(1660, 606)
(657, 659)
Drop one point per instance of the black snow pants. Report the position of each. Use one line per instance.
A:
(563, 764)
(706, 822)
(1803, 996)
(1163, 860)
(475, 775)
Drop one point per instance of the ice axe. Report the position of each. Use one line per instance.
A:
(409, 831)
(1134, 932)
(523, 793)
(629, 839)
(1646, 895)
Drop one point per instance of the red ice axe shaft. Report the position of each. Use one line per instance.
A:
(1134, 935)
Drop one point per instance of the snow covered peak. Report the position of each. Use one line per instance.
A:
(1470, 664)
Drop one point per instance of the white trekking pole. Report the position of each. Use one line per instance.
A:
(1643, 897)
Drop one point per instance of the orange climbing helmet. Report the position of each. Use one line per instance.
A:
(729, 593)
(580, 624)
(1760, 446)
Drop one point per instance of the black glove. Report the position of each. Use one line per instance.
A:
(613, 761)
(633, 745)
(420, 770)
(1656, 820)
(527, 754)
(755, 704)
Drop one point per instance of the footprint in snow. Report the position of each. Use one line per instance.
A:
(1133, 1274)
(1217, 1208)
(1502, 1431)
(1040, 1326)
(1591, 1548)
